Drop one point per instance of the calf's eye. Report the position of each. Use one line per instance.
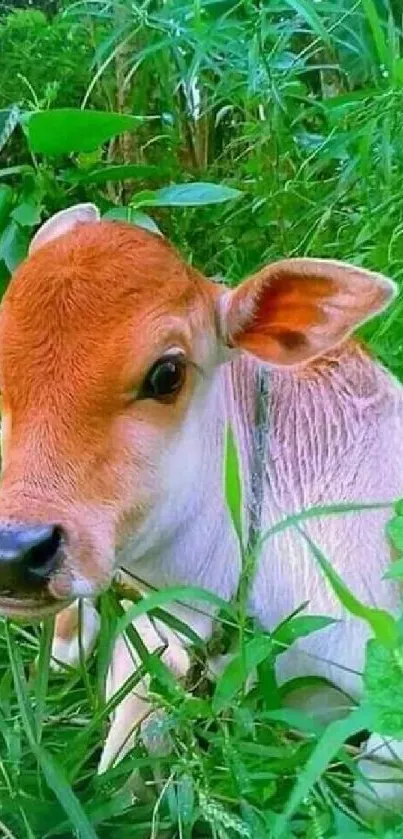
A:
(165, 379)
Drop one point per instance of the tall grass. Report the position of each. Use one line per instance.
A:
(296, 103)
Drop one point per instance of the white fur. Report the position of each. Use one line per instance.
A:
(332, 439)
(66, 651)
(191, 539)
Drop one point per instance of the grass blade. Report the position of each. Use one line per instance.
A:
(377, 31)
(52, 772)
(42, 674)
(306, 9)
(383, 625)
(320, 511)
(234, 675)
(327, 748)
(168, 595)
(233, 482)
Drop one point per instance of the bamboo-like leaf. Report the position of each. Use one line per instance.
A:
(187, 195)
(65, 130)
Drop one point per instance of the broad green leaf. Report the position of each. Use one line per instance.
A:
(326, 750)
(383, 625)
(86, 161)
(383, 686)
(132, 217)
(145, 198)
(191, 195)
(236, 672)
(195, 195)
(13, 245)
(26, 214)
(66, 130)
(233, 482)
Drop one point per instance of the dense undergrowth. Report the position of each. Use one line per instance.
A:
(292, 110)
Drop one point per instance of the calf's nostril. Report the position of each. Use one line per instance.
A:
(28, 556)
(40, 559)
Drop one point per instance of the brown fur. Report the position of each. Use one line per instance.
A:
(83, 321)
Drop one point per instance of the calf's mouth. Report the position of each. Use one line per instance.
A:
(31, 560)
(30, 609)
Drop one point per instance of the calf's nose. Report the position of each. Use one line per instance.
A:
(28, 556)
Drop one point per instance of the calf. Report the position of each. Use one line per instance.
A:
(121, 367)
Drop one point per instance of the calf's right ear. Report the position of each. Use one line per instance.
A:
(62, 222)
(298, 309)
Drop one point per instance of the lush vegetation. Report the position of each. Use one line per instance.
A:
(244, 131)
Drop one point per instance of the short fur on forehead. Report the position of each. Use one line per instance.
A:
(105, 266)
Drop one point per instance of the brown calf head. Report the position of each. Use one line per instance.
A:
(108, 345)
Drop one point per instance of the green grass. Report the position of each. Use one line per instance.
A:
(242, 763)
(305, 121)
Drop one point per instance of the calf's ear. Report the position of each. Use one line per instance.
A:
(297, 309)
(62, 222)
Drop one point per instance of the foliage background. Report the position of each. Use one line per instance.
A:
(297, 104)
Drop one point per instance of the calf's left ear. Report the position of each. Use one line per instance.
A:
(297, 309)
(63, 222)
